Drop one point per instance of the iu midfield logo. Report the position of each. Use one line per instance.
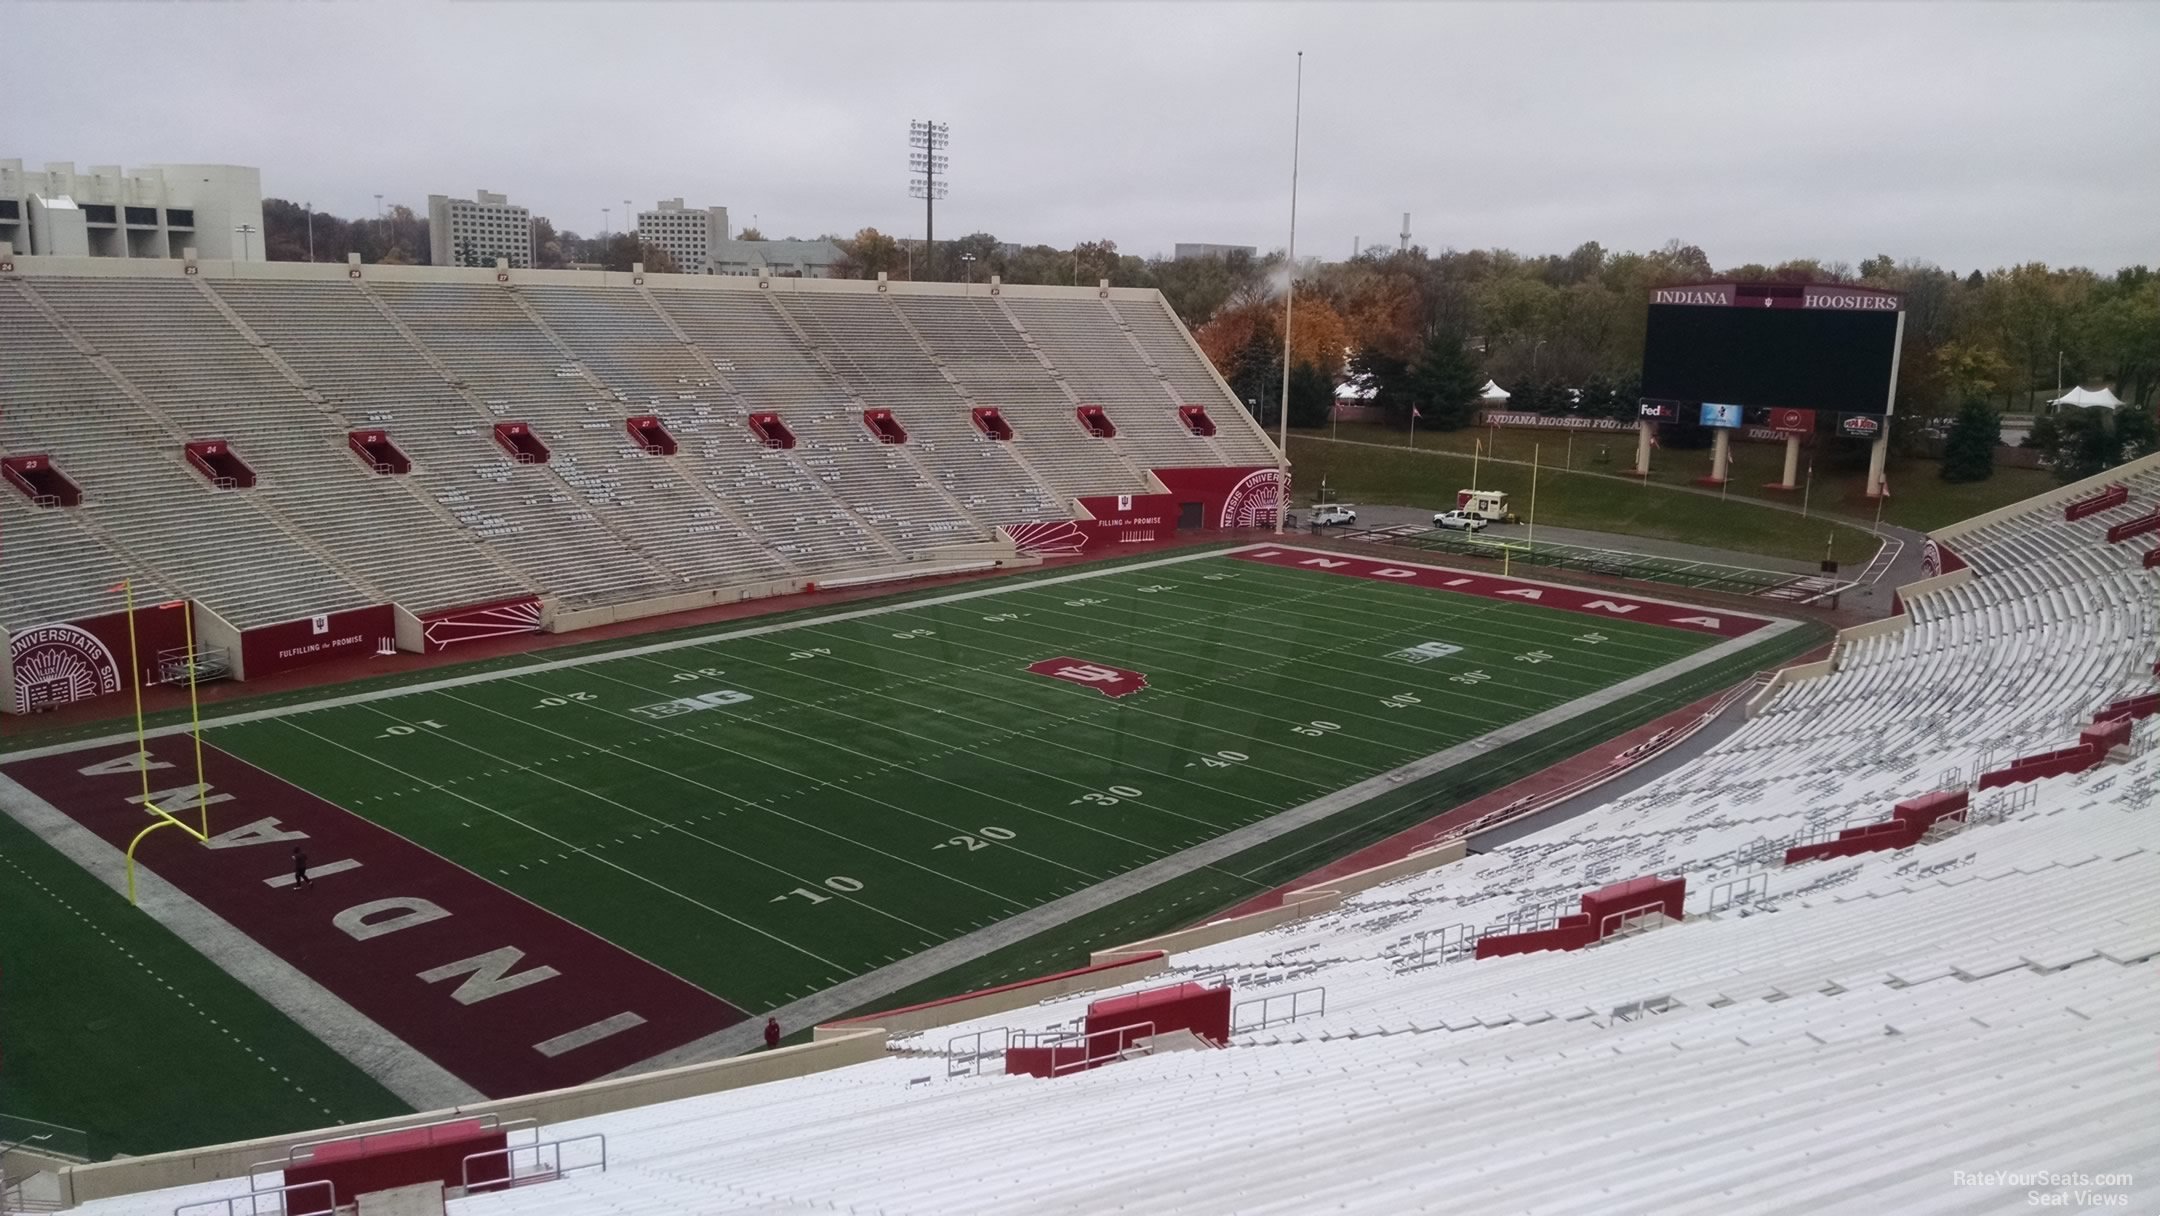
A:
(1109, 681)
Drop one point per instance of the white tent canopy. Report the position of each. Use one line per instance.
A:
(1493, 392)
(2101, 397)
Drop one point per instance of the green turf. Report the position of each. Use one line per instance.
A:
(1207, 893)
(898, 779)
(39, 732)
(112, 1025)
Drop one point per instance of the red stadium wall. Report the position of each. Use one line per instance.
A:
(479, 622)
(317, 639)
(74, 661)
(1228, 498)
(1219, 498)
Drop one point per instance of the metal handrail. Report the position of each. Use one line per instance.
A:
(1456, 941)
(555, 1168)
(255, 1208)
(1266, 1002)
(488, 1121)
(1738, 891)
(1125, 1049)
(969, 1064)
(1620, 920)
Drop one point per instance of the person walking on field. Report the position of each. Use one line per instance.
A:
(772, 1033)
(299, 869)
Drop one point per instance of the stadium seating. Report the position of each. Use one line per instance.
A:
(144, 506)
(112, 376)
(1835, 1035)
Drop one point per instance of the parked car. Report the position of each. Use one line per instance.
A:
(1333, 514)
(1461, 521)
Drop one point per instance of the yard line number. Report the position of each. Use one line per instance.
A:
(401, 730)
(1109, 796)
(565, 699)
(982, 838)
(838, 882)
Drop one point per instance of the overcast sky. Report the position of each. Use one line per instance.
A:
(1964, 134)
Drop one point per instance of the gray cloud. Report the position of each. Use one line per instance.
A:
(1967, 134)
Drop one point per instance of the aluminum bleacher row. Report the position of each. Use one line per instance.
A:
(113, 375)
(1860, 1034)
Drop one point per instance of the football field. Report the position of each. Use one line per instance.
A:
(543, 869)
(772, 813)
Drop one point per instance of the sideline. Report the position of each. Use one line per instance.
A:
(627, 652)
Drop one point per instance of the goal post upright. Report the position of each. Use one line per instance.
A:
(165, 818)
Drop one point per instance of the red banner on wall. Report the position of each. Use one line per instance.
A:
(315, 639)
(1229, 498)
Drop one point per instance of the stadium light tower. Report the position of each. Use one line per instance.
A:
(928, 159)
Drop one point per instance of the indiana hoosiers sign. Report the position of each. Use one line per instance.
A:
(1109, 681)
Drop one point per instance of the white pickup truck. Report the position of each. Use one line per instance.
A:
(1461, 521)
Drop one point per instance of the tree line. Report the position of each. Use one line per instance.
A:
(399, 237)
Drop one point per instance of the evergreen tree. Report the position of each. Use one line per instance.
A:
(2136, 432)
(1969, 453)
(1312, 394)
(2087, 445)
(1443, 385)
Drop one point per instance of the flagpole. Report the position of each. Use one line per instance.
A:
(1477, 447)
(1282, 423)
(1413, 428)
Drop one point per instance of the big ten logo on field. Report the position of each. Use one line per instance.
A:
(691, 704)
(1107, 680)
(1426, 652)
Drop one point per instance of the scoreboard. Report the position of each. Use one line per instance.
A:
(1770, 346)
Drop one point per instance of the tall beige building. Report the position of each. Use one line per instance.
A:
(690, 235)
(476, 231)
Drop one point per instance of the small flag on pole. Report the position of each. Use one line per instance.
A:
(1414, 412)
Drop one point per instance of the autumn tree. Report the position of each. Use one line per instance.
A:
(867, 254)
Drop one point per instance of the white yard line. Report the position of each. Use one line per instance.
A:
(861, 990)
(483, 677)
(576, 848)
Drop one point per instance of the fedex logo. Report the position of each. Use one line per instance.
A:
(1109, 681)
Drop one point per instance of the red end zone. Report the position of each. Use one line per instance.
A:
(503, 994)
(1605, 604)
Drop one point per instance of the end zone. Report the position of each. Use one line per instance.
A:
(1608, 605)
